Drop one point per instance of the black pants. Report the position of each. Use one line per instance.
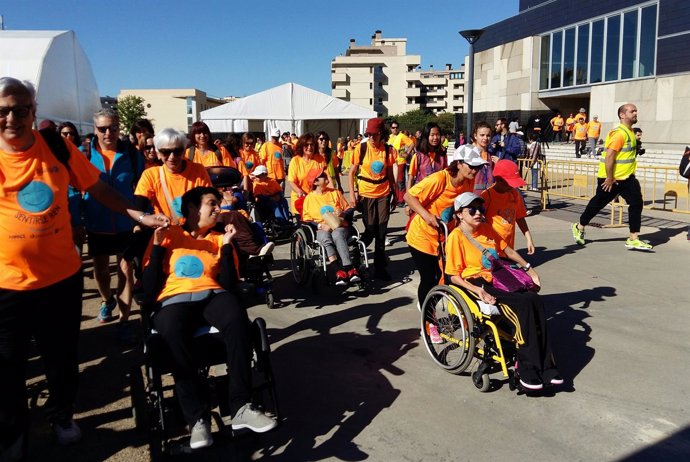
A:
(580, 147)
(429, 272)
(52, 315)
(628, 189)
(177, 324)
(526, 312)
(375, 214)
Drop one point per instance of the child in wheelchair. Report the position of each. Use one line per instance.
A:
(190, 275)
(269, 202)
(326, 207)
(470, 269)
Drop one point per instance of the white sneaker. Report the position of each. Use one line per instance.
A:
(255, 420)
(266, 249)
(388, 242)
(67, 432)
(201, 435)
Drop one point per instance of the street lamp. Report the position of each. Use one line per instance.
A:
(471, 35)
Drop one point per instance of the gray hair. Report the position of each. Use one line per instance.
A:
(12, 86)
(169, 136)
(108, 113)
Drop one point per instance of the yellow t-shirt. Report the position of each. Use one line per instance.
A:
(271, 155)
(463, 258)
(316, 204)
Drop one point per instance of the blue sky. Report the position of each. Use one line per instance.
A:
(238, 48)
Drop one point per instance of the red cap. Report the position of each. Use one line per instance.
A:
(375, 126)
(508, 170)
(47, 123)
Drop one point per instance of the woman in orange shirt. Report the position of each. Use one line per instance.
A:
(429, 199)
(306, 159)
(470, 269)
(190, 273)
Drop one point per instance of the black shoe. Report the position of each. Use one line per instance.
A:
(382, 275)
(557, 380)
(531, 384)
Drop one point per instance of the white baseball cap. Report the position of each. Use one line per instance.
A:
(465, 199)
(260, 170)
(275, 133)
(470, 155)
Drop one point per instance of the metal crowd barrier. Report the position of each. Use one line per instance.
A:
(662, 187)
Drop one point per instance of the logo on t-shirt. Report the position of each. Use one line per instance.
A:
(177, 206)
(327, 209)
(249, 164)
(376, 167)
(35, 197)
(277, 154)
(189, 266)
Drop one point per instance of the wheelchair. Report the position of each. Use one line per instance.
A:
(254, 272)
(308, 258)
(456, 332)
(275, 231)
(155, 407)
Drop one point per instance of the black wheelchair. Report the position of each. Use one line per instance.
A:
(309, 261)
(155, 407)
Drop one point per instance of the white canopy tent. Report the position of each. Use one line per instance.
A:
(59, 69)
(291, 108)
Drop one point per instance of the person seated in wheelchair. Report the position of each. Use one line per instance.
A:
(269, 198)
(470, 268)
(326, 207)
(190, 274)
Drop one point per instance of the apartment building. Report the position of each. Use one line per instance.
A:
(175, 108)
(383, 77)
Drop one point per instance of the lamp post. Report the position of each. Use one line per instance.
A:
(471, 35)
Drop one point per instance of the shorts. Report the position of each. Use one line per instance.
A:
(108, 244)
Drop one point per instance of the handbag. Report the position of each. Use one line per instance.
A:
(506, 276)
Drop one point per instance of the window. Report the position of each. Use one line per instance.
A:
(371, 86)
(569, 58)
(582, 54)
(647, 41)
(556, 59)
(597, 58)
(628, 63)
(613, 38)
(544, 62)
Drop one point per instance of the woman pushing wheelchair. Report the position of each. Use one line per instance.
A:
(471, 250)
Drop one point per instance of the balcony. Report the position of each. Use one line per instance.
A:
(339, 77)
(433, 81)
(341, 93)
(412, 92)
(436, 104)
(441, 92)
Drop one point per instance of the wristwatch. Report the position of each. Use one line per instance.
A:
(527, 267)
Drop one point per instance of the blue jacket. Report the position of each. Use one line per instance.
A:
(511, 150)
(123, 177)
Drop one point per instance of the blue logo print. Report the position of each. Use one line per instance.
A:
(277, 154)
(486, 262)
(326, 209)
(189, 266)
(35, 197)
(177, 206)
(249, 164)
(376, 167)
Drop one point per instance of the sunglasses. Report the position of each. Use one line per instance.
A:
(308, 144)
(68, 134)
(113, 128)
(394, 128)
(165, 152)
(322, 139)
(18, 111)
(473, 210)
(149, 147)
(476, 168)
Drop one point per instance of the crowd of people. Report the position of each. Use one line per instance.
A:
(147, 197)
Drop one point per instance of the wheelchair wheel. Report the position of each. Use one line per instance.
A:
(270, 301)
(138, 396)
(300, 257)
(447, 326)
(481, 381)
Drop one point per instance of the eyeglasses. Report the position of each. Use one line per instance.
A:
(112, 128)
(165, 152)
(473, 210)
(476, 168)
(66, 134)
(18, 111)
(149, 147)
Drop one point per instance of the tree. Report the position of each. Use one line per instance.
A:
(130, 108)
(446, 121)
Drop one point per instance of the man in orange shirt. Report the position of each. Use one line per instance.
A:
(557, 127)
(41, 282)
(580, 136)
(271, 155)
(593, 134)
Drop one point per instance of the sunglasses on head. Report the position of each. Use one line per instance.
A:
(112, 128)
(18, 111)
(473, 210)
(175, 151)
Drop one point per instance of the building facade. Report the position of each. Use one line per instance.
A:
(174, 108)
(558, 56)
(383, 77)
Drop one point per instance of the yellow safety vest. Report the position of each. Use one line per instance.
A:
(626, 160)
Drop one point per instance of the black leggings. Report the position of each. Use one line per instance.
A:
(629, 189)
(429, 272)
(177, 323)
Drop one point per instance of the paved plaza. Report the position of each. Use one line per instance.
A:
(356, 383)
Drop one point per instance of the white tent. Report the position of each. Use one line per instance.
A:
(291, 108)
(59, 69)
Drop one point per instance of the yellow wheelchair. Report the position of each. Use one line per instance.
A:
(456, 333)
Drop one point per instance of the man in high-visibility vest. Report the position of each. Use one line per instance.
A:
(616, 176)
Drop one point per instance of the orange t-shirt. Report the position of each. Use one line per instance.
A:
(108, 158)
(503, 211)
(250, 159)
(298, 171)
(271, 155)
(594, 129)
(210, 158)
(266, 188)
(37, 249)
(150, 186)
(374, 166)
(569, 124)
(316, 204)
(580, 132)
(436, 193)
(466, 260)
(192, 264)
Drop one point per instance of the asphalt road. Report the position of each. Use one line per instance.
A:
(355, 382)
